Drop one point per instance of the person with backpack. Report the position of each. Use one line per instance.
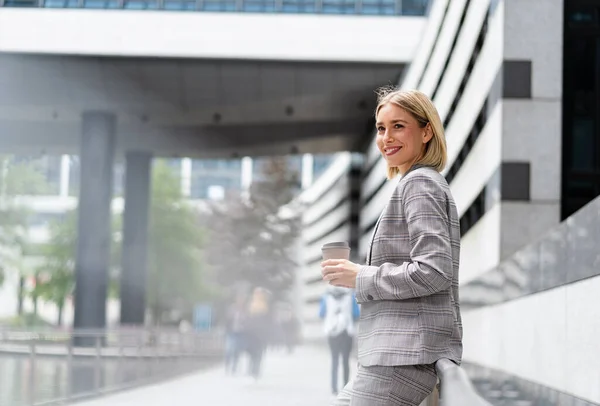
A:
(339, 311)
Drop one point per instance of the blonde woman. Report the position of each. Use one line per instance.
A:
(408, 290)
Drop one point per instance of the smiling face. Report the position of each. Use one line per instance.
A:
(401, 139)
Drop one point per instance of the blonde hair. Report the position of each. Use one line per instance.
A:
(259, 303)
(422, 109)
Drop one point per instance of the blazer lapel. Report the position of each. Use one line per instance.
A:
(373, 235)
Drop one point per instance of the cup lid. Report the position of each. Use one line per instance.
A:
(339, 244)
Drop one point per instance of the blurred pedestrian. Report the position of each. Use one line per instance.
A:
(339, 311)
(235, 333)
(258, 328)
(289, 327)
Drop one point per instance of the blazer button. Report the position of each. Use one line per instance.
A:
(369, 297)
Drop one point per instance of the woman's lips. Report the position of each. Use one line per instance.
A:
(391, 150)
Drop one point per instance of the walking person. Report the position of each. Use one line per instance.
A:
(235, 334)
(408, 289)
(339, 311)
(258, 329)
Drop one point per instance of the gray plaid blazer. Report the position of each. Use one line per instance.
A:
(408, 291)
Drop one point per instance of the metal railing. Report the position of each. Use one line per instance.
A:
(108, 361)
(360, 7)
(455, 387)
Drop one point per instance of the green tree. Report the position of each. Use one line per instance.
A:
(16, 179)
(175, 262)
(175, 274)
(55, 279)
(22, 179)
(251, 241)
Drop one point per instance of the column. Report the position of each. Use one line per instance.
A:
(186, 177)
(65, 174)
(94, 233)
(308, 164)
(135, 238)
(246, 175)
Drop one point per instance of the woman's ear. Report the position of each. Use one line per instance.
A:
(427, 133)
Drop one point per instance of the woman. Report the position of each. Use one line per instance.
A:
(408, 291)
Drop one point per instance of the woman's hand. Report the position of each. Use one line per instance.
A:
(340, 272)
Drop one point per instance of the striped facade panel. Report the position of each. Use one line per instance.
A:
(330, 214)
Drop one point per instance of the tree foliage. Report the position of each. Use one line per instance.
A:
(16, 179)
(23, 179)
(250, 240)
(56, 278)
(174, 252)
(175, 262)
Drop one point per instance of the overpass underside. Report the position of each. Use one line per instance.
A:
(189, 107)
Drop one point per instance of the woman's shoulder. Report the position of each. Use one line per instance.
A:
(424, 177)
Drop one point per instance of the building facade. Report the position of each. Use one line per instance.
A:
(516, 85)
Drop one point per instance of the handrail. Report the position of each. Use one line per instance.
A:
(456, 388)
(149, 354)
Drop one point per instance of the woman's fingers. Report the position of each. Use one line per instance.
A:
(333, 262)
(332, 276)
(330, 269)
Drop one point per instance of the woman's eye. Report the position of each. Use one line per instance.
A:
(398, 126)
(380, 129)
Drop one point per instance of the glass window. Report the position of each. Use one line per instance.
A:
(581, 107)
(203, 182)
(414, 7)
(583, 145)
(584, 62)
(320, 164)
(584, 15)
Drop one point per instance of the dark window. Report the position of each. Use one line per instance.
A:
(581, 106)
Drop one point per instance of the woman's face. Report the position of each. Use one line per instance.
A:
(400, 139)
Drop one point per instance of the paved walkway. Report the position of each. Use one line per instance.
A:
(299, 379)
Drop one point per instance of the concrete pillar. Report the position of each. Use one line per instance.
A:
(308, 164)
(186, 177)
(246, 175)
(65, 174)
(135, 238)
(94, 238)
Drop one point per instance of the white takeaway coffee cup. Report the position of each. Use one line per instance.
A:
(336, 250)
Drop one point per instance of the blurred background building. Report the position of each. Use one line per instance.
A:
(516, 85)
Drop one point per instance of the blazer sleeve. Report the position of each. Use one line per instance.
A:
(430, 268)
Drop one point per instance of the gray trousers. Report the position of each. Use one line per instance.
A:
(389, 386)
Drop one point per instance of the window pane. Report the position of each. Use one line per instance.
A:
(584, 145)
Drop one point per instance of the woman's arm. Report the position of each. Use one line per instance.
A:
(430, 268)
